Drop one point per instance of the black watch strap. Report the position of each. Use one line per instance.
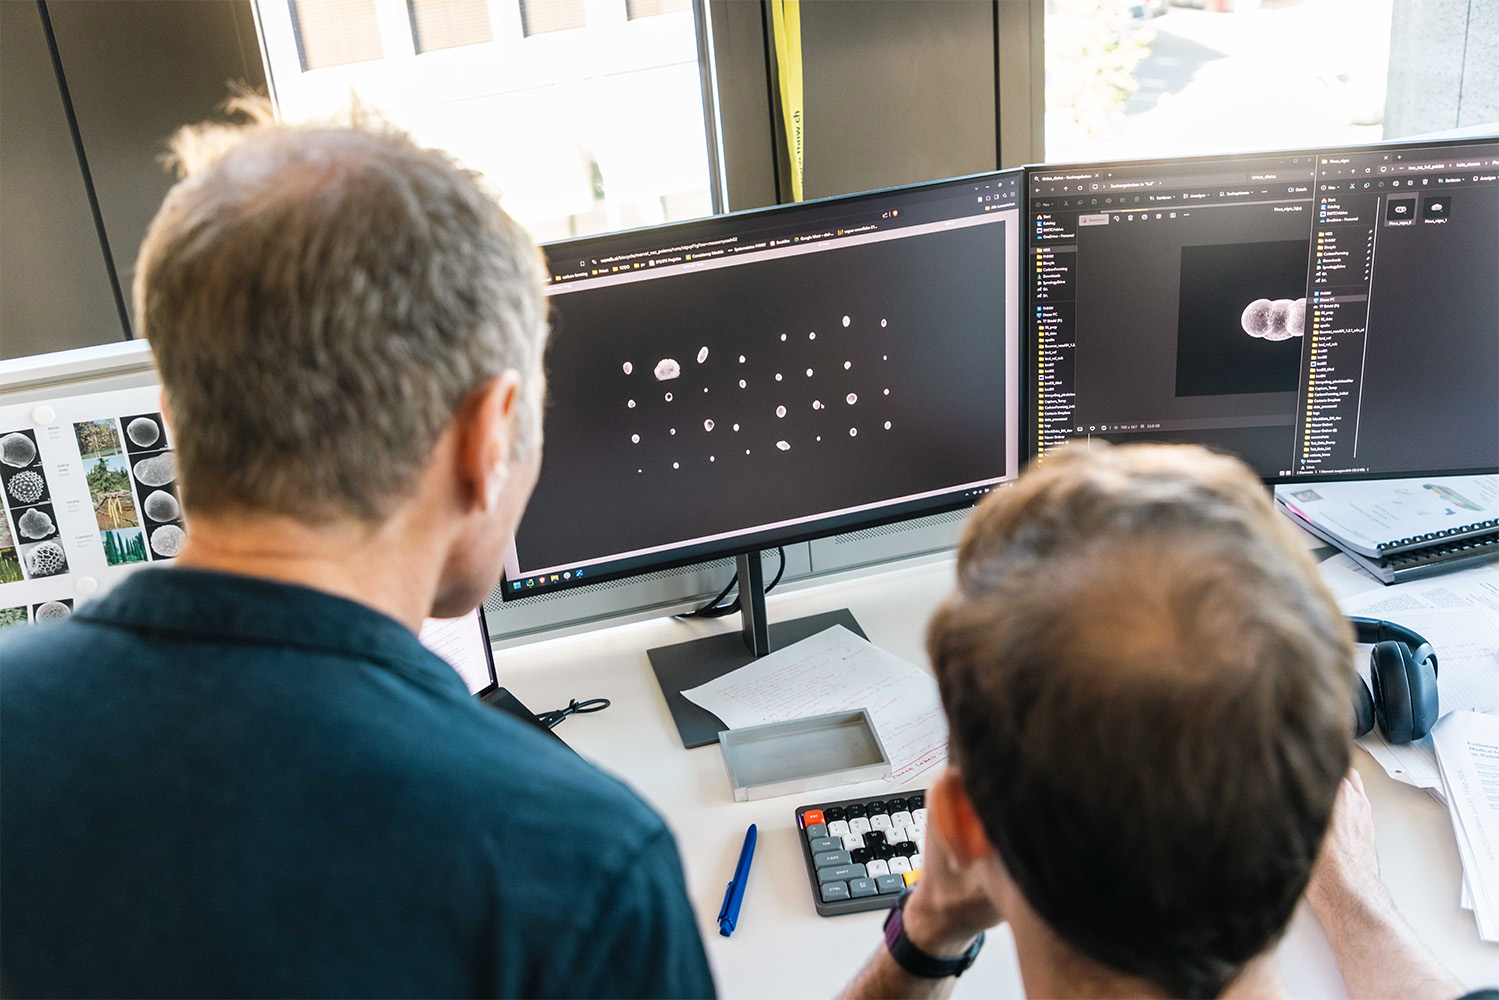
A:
(913, 959)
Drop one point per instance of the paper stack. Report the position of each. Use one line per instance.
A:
(1467, 751)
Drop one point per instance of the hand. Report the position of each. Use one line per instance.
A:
(950, 905)
(1347, 868)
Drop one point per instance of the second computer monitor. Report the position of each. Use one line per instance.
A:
(754, 379)
(1322, 314)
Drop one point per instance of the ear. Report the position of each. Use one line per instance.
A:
(951, 812)
(486, 427)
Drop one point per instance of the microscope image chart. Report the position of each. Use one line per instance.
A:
(90, 492)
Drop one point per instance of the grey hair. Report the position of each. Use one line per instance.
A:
(321, 301)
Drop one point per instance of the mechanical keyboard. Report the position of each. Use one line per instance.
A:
(862, 853)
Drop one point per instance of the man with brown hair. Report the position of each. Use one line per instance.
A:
(1149, 694)
(244, 775)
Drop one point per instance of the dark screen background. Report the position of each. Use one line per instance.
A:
(1431, 374)
(939, 353)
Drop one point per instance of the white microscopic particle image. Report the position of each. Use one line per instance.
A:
(778, 376)
(780, 411)
(161, 506)
(667, 369)
(853, 432)
(635, 438)
(27, 487)
(17, 450)
(708, 425)
(741, 383)
(851, 398)
(143, 431)
(705, 388)
(158, 470)
(819, 437)
(736, 427)
(887, 425)
(629, 368)
(674, 430)
(847, 365)
(35, 524)
(702, 355)
(1281, 319)
(812, 335)
(712, 459)
(783, 337)
(52, 611)
(816, 404)
(676, 465)
(46, 559)
(741, 359)
(882, 323)
(631, 404)
(668, 397)
(809, 373)
(884, 357)
(167, 540)
(845, 321)
(783, 445)
(887, 392)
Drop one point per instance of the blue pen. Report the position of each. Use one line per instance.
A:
(734, 894)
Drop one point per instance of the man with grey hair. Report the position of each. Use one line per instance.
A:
(245, 775)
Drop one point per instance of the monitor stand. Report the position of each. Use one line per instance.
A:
(685, 665)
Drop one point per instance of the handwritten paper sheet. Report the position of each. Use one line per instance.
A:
(836, 671)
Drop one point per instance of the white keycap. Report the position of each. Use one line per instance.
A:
(920, 844)
(853, 841)
(880, 822)
(878, 867)
(896, 835)
(838, 828)
(899, 866)
(901, 818)
(919, 816)
(859, 824)
(917, 829)
(916, 860)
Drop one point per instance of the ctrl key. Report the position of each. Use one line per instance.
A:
(832, 892)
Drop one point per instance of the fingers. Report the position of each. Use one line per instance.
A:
(1355, 779)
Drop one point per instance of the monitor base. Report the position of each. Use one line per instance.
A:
(685, 665)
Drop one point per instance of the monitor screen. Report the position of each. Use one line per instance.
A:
(771, 376)
(1322, 314)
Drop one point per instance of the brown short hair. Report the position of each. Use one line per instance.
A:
(1149, 694)
(320, 301)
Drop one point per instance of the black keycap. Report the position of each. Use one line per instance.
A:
(853, 811)
(917, 801)
(833, 813)
(861, 855)
(896, 805)
(885, 852)
(905, 848)
(876, 808)
(875, 839)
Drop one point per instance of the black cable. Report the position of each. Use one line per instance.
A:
(574, 707)
(713, 609)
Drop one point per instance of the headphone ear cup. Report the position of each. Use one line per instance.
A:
(1425, 707)
(1363, 709)
(1389, 669)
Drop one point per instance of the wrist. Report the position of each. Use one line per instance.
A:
(934, 931)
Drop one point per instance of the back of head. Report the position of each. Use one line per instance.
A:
(320, 301)
(1149, 695)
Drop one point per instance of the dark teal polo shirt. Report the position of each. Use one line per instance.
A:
(213, 785)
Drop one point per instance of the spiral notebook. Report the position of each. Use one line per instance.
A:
(1400, 529)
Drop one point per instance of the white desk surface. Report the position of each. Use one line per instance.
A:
(781, 947)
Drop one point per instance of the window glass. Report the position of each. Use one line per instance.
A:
(1174, 77)
(586, 115)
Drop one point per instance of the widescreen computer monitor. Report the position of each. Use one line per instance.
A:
(1323, 314)
(739, 383)
(751, 380)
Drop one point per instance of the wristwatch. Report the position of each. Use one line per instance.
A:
(913, 959)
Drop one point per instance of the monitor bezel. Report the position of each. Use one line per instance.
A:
(823, 527)
(1029, 348)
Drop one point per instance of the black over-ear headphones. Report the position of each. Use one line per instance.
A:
(1403, 671)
